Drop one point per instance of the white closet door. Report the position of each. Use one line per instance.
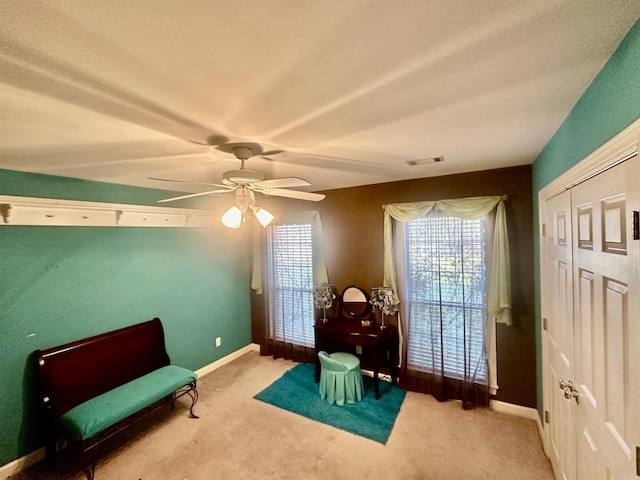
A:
(606, 311)
(559, 335)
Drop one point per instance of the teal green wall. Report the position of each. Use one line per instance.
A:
(608, 106)
(59, 284)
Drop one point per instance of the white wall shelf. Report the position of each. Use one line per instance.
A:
(70, 213)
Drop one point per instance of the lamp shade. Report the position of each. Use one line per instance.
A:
(232, 218)
(264, 217)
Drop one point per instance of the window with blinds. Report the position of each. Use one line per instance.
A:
(445, 279)
(291, 283)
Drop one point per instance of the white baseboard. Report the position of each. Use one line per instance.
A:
(512, 409)
(21, 463)
(252, 347)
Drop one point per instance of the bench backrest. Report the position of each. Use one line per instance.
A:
(73, 373)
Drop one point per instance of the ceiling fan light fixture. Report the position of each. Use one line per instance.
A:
(263, 216)
(244, 182)
(232, 218)
(241, 177)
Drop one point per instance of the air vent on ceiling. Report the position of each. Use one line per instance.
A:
(424, 161)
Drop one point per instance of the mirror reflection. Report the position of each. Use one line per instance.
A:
(355, 302)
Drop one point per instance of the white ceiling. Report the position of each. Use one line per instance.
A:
(115, 91)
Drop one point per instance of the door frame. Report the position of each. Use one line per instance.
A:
(622, 147)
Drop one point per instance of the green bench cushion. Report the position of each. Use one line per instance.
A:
(93, 416)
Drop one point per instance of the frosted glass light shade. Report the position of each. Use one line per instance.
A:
(264, 217)
(232, 218)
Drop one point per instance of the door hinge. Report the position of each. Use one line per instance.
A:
(635, 223)
(546, 416)
(544, 323)
(544, 229)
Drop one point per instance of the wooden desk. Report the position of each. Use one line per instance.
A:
(380, 346)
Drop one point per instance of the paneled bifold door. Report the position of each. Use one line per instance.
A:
(560, 332)
(590, 272)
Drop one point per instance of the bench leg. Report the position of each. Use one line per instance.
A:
(88, 458)
(90, 470)
(76, 454)
(193, 393)
(68, 451)
(190, 390)
(50, 452)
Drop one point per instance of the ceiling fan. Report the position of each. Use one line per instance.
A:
(245, 182)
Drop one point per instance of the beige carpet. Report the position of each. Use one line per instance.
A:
(238, 437)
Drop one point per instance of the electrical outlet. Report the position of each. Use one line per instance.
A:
(218, 341)
(359, 349)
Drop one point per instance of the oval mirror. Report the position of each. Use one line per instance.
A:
(355, 302)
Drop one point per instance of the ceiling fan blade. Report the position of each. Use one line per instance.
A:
(211, 140)
(331, 163)
(284, 182)
(271, 152)
(281, 192)
(185, 181)
(195, 195)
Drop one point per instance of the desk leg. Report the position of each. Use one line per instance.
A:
(375, 383)
(318, 347)
(394, 355)
(393, 368)
(374, 352)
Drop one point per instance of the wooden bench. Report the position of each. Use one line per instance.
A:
(93, 388)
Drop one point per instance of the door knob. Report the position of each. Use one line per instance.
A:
(576, 395)
(568, 384)
(569, 390)
(570, 393)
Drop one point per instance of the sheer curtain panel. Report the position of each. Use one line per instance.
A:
(455, 285)
(294, 264)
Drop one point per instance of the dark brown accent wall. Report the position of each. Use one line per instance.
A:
(353, 231)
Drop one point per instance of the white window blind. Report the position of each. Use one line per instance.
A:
(445, 278)
(290, 260)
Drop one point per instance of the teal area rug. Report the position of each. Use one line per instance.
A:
(297, 392)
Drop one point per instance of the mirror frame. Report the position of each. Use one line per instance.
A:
(363, 312)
